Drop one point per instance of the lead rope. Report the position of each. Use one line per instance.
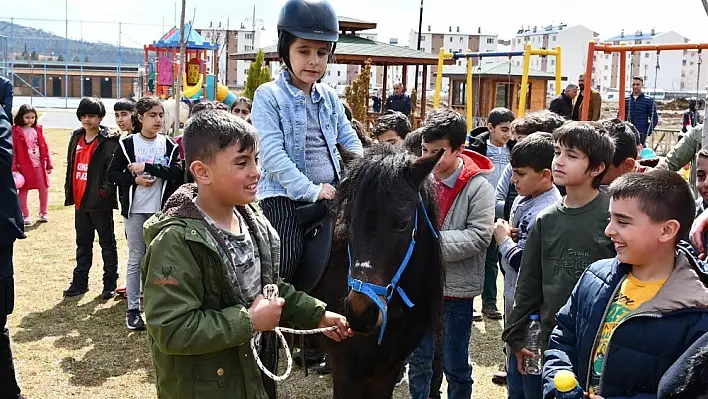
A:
(270, 292)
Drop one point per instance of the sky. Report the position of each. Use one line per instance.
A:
(145, 21)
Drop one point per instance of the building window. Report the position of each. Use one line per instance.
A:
(684, 62)
(461, 40)
(503, 95)
(248, 48)
(422, 38)
(249, 36)
(691, 63)
(490, 40)
(339, 73)
(553, 62)
(607, 67)
(450, 39)
(555, 37)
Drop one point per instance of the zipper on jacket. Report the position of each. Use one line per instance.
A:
(607, 354)
(597, 336)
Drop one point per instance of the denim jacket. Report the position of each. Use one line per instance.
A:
(280, 117)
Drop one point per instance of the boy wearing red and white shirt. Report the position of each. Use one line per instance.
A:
(89, 154)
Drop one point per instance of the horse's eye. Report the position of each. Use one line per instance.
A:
(402, 226)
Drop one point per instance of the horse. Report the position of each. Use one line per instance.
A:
(385, 210)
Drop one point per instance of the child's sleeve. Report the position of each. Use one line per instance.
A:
(346, 136)
(274, 159)
(512, 253)
(561, 353)
(118, 172)
(7, 156)
(502, 191)
(174, 288)
(477, 234)
(171, 171)
(43, 142)
(529, 293)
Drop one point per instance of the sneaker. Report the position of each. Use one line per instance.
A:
(108, 293)
(43, 219)
(477, 316)
(492, 312)
(28, 221)
(499, 378)
(134, 321)
(76, 289)
(324, 368)
(122, 291)
(312, 357)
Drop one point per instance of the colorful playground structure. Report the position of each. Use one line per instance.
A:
(527, 53)
(623, 49)
(161, 68)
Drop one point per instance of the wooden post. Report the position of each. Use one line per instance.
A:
(384, 95)
(404, 77)
(423, 99)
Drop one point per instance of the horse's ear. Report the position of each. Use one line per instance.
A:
(423, 166)
(347, 156)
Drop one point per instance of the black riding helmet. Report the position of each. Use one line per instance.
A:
(309, 20)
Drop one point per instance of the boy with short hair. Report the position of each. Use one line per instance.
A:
(625, 158)
(210, 253)
(702, 180)
(86, 187)
(539, 121)
(531, 160)
(466, 204)
(496, 143)
(630, 318)
(564, 239)
(391, 127)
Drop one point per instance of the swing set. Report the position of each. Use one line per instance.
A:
(623, 49)
(527, 53)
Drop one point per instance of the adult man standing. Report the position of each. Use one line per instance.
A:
(595, 102)
(563, 104)
(691, 116)
(11, 228)
(399, 100)
(6, 96)
(640, 110)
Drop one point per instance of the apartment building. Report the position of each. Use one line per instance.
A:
(232, 73)
(677, 69)
(572, 39)
(452, 39)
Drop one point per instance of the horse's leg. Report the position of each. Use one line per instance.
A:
(346, 383)
(382, 385)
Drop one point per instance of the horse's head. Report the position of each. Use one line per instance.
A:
(387, 201)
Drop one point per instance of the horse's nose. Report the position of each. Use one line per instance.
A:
(361, 313)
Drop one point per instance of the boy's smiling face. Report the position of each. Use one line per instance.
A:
(702, 177)
(233, 175)
(124, 120)
(500, 134)
(634, 234)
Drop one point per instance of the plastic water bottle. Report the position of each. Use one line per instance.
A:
(567, 385)
(533, 343)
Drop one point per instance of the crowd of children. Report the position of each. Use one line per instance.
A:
(584, 242)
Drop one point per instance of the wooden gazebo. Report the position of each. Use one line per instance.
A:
(356, 50)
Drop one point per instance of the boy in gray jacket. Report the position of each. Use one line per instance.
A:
(532, 177)
(466, 205)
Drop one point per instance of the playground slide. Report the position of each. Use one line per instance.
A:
(223, 94)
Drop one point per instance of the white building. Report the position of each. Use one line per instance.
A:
(573, 41)
(671, 75)
(232, 73)
(451, 40)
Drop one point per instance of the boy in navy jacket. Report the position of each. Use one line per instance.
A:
(630, 318)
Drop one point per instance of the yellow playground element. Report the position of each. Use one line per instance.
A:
(527, 53)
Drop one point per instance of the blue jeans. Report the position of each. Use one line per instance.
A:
(521, 386)
(457, 366)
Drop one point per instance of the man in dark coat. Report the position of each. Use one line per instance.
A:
(11, 228)
(399, 100)
(563, 104)
(6, 96)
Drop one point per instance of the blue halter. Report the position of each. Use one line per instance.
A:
(375, 291)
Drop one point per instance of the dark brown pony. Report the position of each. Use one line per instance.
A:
(376, 212)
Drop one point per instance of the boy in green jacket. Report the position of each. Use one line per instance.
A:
(565, 238)
(209, 255)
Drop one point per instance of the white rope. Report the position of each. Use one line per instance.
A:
(270, 292)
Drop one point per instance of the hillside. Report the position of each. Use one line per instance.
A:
(46, 43)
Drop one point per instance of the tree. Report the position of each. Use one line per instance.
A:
(86, 59)
(257, 75)
(76, 59)
(60, 58)
(34, 56)
(357, 93)
(25, 54)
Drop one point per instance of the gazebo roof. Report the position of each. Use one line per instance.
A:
(356, 50)
(501, 69)
(193, 40)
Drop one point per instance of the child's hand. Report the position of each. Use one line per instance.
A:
(136, 168)
(265, 314)
(520, 355)
(514, 234)
(334, 319)
(327, 192)
(49, 171)
(144, 181)
(502, 230)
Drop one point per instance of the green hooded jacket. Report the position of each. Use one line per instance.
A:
(199, 328)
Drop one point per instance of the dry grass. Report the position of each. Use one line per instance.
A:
(81, 348)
